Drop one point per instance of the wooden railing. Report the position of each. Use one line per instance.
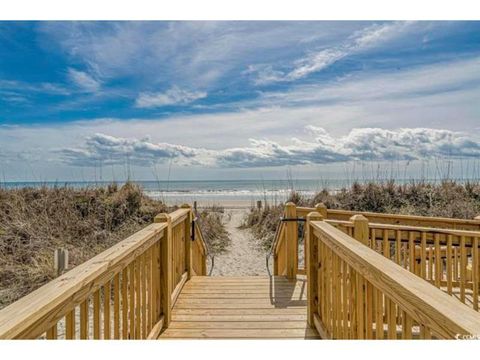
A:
(279, 252)
(126, 292)
(449, 259)
(356, 293)
(394, 219)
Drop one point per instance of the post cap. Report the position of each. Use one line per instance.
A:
(163, 217)
(314, 216)
(358, 217)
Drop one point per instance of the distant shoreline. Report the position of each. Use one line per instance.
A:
(233, 194)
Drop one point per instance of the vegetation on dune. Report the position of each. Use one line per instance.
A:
(36, 221)
(447, 199)
(213, 230)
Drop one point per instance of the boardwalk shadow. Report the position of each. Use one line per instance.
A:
(286, 293)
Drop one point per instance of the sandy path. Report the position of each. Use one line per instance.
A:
(242, 258)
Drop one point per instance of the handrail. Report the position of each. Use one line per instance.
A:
(447, 258)
(417, 301)
(127, 291)
(444, 231)
(273, 246)
(206, 247)
(36, 312)
(398, 219)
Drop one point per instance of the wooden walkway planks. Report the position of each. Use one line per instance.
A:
(251, 307)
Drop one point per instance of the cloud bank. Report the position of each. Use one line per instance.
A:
(361, 144)
(110, 150)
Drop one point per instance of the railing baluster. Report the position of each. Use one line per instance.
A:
(144, 295)
(84, 330)
(125, 287)
(116, 307)
(52, 333)
(131, 304)
(148, 269)
(463, 268)
(438, 261)
(398, 242)
(106, 310)
(345, 314)
(70, 325)
(475, 270)
(138, 302)
(449, 264)
(423, 263)
(379, 305)
(96, 315)
(369, 311)
(360, 296)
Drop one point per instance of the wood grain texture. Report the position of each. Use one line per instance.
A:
(427, 305)
(37, 312)
(261, 314)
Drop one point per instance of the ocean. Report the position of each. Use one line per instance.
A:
(208, 192)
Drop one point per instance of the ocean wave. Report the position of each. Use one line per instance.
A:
(226, 193)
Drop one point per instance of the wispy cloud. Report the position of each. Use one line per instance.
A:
(365, 144)
(29, 87)
(173, 96)
(83, 80)
(314, 61)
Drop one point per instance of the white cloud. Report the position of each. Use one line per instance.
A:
(172, 96)
(415, 84)
(199, 52)
(43, 87)
(108, 150)
(83, 80)
(362, 144)
(362, 40)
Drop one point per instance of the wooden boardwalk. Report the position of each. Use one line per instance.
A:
(397, 278)
(241, 307)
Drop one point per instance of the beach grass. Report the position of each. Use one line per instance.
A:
(448, 198)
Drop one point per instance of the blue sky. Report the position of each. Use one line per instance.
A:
(234, 99)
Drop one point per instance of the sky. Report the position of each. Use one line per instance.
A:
(236, 100)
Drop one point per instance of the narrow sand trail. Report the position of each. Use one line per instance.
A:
(242, 258)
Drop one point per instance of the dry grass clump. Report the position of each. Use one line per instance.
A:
(263, 223)
(36, 221)
(213, 229)
(447, 199)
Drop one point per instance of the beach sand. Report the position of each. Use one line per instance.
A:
(243, 257)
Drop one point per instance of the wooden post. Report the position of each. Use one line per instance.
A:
(321, 208)
(60, 261)
(166, 285)
(188, 241)
(259, 204)
(311, 265)
(292, 240)
(360, 228)
(195, 205)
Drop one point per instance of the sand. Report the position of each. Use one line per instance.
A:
(243, 256)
